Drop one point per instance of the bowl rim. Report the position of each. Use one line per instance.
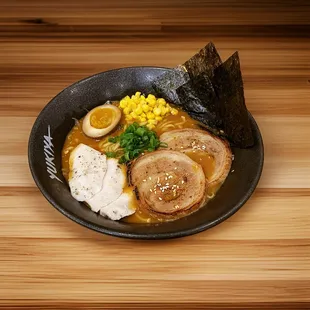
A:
(130, 235)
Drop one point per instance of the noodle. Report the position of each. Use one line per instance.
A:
(211, 196)
(106, 146)
(68, 149)
(77, 123)
(166, 125)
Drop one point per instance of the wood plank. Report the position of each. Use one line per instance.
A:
(284, 213)
(155, 15)
(271, 84)
(151, 305)
(258, 258)
(226, 291)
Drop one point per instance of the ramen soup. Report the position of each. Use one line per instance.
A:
(149, 159)
(143, 160)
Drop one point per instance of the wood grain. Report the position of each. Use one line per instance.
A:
(257, 259)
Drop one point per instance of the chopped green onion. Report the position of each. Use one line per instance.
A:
(135, 140)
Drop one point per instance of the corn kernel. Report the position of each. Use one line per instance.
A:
(142, 105)
(145, 107)
(138, 110)
(152, 102)
(126, 110)
(148, 110)
(157, 111)
(134, 115)
(150, 115)
(133, 105)
(152, 121)
(174, 111)
(150, 96)
(123, 103)
(164, 111)
(134, 99)
(150, 126)
(161, 101)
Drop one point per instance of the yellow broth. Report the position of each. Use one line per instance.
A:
(170, 122)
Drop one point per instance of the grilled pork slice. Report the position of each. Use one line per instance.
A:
(189, 140)
(167, 182)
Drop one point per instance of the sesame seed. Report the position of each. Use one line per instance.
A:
(144, 180)
(182, 182)
(150, 178)
(167, 183)
(175, 168)
(160, 198)
(151, 190)
(170, 177)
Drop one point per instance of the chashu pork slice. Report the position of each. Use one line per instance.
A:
(167, 182)
(188, 140)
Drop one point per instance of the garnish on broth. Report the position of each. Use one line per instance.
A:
(134, 141)
(147, 111)
(101, 120)
(148, 159)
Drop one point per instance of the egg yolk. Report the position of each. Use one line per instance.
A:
(102, 118)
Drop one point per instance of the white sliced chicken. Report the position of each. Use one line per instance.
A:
(87, 171)
(112, 186)
(119, 208)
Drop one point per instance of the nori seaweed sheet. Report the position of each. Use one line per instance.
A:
(205, 61)
(211, 92)
(228, 84)
(198, 98)
(166, 84)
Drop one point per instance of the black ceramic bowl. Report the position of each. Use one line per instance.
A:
(55, 121)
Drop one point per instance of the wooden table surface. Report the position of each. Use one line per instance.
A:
(258, 258)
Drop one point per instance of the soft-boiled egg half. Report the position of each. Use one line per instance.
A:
(101, 120)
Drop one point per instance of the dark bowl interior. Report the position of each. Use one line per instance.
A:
(73, 102)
